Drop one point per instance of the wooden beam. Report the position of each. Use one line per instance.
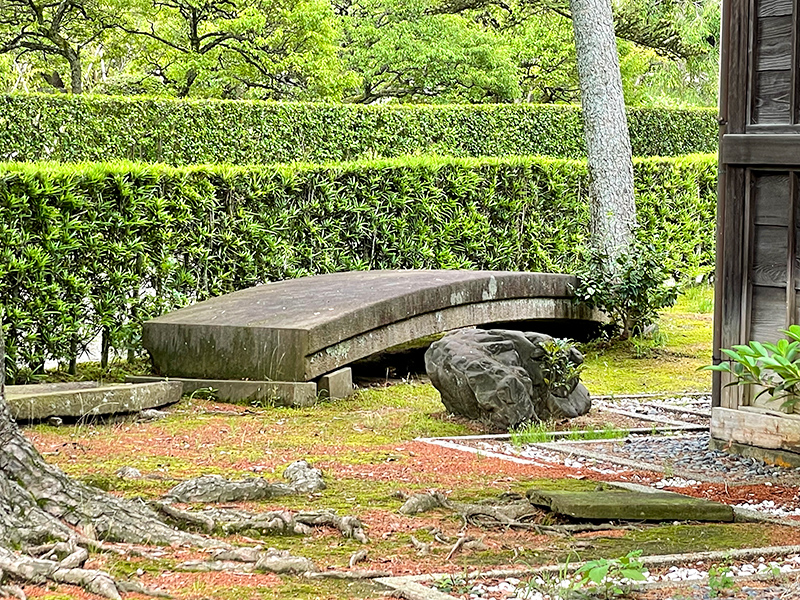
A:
(755, 429)
(778, 150)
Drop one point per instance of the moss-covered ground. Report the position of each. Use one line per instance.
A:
(365, 446)
(664, 361)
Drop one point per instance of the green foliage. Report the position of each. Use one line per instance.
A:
(633, 291)
(773, 367)
(230, 48)
(460, 584)
(102, 247)
(536, 432)
(542, 431)
(610, 577)
(406, 49)
(558, 365)
(720, 581)
(178, 132)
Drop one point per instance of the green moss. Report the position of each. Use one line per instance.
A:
(667, 362)
(324, 589)
(675, 539)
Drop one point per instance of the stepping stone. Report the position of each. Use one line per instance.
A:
(294, 394)
(82, 399)
(624, 505)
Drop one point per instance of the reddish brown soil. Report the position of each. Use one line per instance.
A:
(411, 464)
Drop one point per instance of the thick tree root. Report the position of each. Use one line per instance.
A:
(284, 522)
(303, 479)
(12, 591)
(508, 511)
(271, 560)
(37, 570)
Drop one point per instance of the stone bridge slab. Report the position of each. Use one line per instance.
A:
(300, 329)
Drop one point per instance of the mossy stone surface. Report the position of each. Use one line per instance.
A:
(624, 505)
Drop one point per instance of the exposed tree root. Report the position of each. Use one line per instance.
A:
(303, 479)
(283, 522)
(37, 570)
(12, 591)
(55, 519)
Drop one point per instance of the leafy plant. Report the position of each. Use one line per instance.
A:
(773, 367)
(610, 577)
(542, 431)
(559, 367)
(720, 581)
(454, 583)
(531, 433)
(632, 292)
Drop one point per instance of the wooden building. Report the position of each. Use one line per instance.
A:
(758, 214)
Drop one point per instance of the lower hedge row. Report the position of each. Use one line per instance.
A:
(92, 248)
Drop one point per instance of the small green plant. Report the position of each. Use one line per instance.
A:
(561, 365)
(553, 584)
(720, 581)
(454, 583)
(631, 291)
(698, 299)
(535, 432)
(610, 577)
(540, 432)
(773, 367)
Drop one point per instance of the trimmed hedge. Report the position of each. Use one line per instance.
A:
(102, 247)
(183, 132)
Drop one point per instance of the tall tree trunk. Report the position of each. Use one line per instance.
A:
(75, 71)
(608, 145)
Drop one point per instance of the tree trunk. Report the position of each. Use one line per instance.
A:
(608, 146)
(75, 71)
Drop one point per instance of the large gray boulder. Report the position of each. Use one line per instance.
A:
(500, 377)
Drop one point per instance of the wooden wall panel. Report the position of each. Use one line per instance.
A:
(770, 198)
(772, 97)
(768, 316)
(770, 256)
(773, 8)
(774, 44)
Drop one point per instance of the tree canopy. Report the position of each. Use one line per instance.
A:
(363, 51)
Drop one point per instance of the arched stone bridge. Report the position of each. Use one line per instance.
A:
(300, 329)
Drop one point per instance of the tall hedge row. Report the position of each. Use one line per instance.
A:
(184, 132)
(101, 247)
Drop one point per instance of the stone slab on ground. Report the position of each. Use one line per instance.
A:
(338, 384)
(627, 505)
(300, 329)
(70, 400)
(297, 394)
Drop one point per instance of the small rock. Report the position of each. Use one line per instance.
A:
(304, 478)
(55, 421)
(128, 473)
(151, 414)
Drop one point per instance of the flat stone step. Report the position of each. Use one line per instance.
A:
(301, 329)
(625, 505)
(83, 399)
(295, 394)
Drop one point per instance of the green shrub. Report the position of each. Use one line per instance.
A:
(102, 247)
(182, 132)
(631, 293)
